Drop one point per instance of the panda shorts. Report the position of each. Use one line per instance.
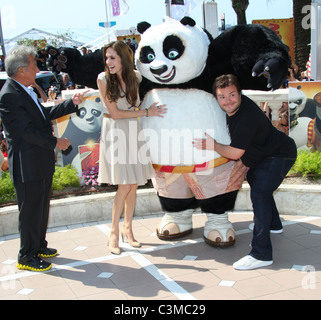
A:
(201, 185)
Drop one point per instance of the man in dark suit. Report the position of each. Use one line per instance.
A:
(27, 125)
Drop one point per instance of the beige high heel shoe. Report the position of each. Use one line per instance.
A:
(113, 250)
(134, 244)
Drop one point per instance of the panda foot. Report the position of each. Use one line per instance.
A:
(172, 232)
(175, 225)
(215, 239)
(218, 231)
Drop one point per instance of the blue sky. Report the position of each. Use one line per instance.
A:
(18, 16)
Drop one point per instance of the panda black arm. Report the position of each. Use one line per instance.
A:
(245, 49)
(82, 70)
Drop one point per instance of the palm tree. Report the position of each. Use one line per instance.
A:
(240, 7)
(302, 35)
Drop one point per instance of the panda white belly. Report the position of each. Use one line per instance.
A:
(190, 114)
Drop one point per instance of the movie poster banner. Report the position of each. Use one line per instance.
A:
(284, 28)
(305, 114)
(83, 129)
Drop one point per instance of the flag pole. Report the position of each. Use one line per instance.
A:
(107, 20)
(1, 39)
(168, 8)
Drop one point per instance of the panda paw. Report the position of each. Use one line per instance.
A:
(270, 69)
(57, 59)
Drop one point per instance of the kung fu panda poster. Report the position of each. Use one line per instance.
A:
(305, 114)
(83, 129)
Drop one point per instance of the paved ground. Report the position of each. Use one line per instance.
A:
(188, 269)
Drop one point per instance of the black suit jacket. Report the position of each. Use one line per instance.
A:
(29, 135)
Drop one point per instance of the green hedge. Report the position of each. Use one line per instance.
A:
(7, 192)
(308, 164)
(65, 177)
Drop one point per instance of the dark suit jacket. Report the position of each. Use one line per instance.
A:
(29, 135)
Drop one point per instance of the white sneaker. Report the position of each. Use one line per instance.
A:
(251, 227)
(249, 263)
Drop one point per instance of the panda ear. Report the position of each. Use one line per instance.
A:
(188, 21)
(143, 26)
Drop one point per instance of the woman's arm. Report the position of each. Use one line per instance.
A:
(115, 113)
(224, 150)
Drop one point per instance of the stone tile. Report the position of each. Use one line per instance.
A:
(37, 281)
(288, 279)
(58, 292)
(130, 278)
(218, 293)
(75, 276)
(257, 287)
(197, 281)
(106, 295)
(146, 291)
(313, 293)
(90, 286)
(282, 295)
(9, 288)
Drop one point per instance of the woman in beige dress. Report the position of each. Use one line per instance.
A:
(123, 158)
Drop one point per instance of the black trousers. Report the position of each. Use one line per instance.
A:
(217, 205)
(33, 203)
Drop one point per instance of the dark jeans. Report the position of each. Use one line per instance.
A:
(264, 180)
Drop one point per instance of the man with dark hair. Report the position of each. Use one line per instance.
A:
(267, 152)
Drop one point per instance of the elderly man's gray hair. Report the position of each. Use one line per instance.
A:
(18, 57)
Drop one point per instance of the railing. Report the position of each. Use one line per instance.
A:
(274, 99)
(99, 42)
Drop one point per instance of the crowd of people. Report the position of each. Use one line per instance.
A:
(266, 151)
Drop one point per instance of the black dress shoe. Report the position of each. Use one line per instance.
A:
(47, 253)
(34, 264)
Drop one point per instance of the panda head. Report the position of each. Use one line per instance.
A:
(89, 116)
(297, 100)
(171, 53)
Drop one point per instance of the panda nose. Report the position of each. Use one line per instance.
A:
(160, 70)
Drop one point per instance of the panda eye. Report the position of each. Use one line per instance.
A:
(147, 55)
(173, 47)
(95, 113)
(150, 57)
(172, 54)
(81, 113)
(298, 102)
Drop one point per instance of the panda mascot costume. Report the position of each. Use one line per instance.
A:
(179, 62)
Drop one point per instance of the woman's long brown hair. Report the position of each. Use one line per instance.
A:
(113, 86)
